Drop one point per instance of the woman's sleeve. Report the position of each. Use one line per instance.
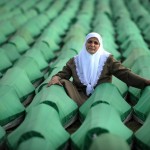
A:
(66, 72)
(125, 74)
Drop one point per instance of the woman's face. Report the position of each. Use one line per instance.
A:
(92, 45)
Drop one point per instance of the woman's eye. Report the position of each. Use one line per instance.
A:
(95, 42)
(90, 42)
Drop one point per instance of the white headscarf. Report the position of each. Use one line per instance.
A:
(89, 66)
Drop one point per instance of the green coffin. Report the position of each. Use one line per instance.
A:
(107, 93)
(41, 121)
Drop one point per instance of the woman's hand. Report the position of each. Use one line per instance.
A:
(55, 80)
(148, 82)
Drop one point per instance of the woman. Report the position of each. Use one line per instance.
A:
(91, 67)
